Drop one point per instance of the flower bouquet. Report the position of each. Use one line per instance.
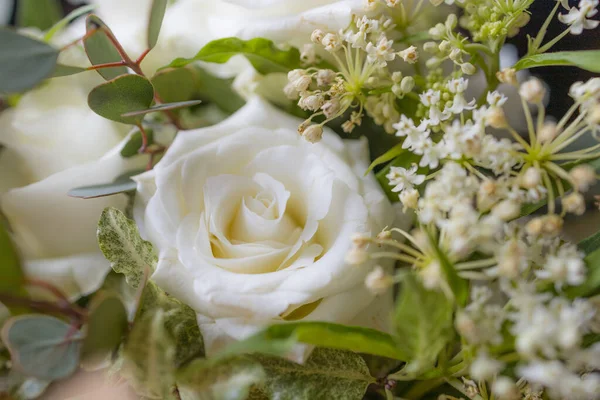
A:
(275, 199)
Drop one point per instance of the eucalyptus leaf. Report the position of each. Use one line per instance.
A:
(121, 184)
(585, 59)
(157, 13)
(264, 56)
(327, 374)
(41, 14)
(42, 346)
(279, 339)
(163, 107)
(65, 70)
(73, 15)
(121, 95)
(134, 144)
(24, 62)
(175, 84)
(122, 245)
(106, 326)
(223, 379)
(100, 48)
(423, 321)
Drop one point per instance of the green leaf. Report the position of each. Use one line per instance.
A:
(42, 346)
(385, 157)
(41, 14)
(134, 144)
(121, 95)
(157, 13)
(279, 339)
(327, 374)
(122, 245)
(591, 286)
(12, 276)
(423, 322)
(100, 48)
(175, 84)
(585, 59)
(217, 90)
(264, 56)
(223, 379)
(458, 285)
(73, 15)
(121, 184)
(149, 356)
(163, 107)
(24, 62)
(65, 70)
(106, 326)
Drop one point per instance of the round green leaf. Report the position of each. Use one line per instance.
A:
(175, 84)
(42, 346)
(24, 62)
(121, 95)
(106, 326)
(100, 48)
(157, 13)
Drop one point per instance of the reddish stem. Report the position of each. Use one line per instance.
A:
(107, 65)
(48, 287)
(44, 306)
(74, 42)
(142, 56)
(144, 139)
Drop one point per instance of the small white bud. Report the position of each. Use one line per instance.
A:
(484, 367)
(430, 47)
(507, 210)
(506, 389)
(325, 77)
(535, 227)
(409, 55)
(290, 92)
(409, 198)
(331, 107)
(550, 225)
(317, 36)
(313, 133)
(377, 281)
(384, 235)
(312, 102)
(445, 46)
(548, 132)
(531, 178)
(507, 75)
(583, 177)
(356, 256)
(360, 240)
(594, 115)
(466, 327)
(432, 275)
(397, 77)
(332, 42)
(468, 68)
(532, 91)
(451, 21)
(407, 84)
(496, 118)
(574, 203)
(455, 55)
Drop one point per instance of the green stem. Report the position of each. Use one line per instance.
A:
(421, 388)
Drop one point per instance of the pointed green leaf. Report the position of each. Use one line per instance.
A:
(327, 374)
(224, 379)
(387, 156)
(100, 48)
(264, 56)
(24, 62)
(134, 144)
(106, 326)
(157, 13)
(122, 245)
(42, 346)
(423, 321)
(121, 184)
(65, 70)
(41, 14)
(121, 95)
(163, 107)
(73, 15)
(591, 286)
(279, 339)
(585, 59)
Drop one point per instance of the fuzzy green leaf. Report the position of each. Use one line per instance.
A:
(121, 244)
(264, 56)
(42, 346)
(41, 14)
(24, 62)
(65, 70)
(106, 326)
(157, 13)
(585, 59)
(222, 379)
(279, 339)
(73, 15)
(327, 374)
(163, 107)
(423, 321)
(121, 184)
(100, 48)
(121, 95)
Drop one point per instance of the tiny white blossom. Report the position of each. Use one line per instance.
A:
(382, 52)
(579, 18)
(484, 367)
(409, 55)
(532, 91)
(378, 281)
(564, 267)
(403, 179)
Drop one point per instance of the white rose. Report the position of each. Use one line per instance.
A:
(252, 224)
(53, 143)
